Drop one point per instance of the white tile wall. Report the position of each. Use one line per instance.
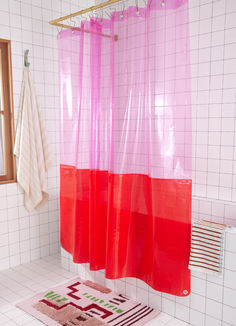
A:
(23, 236)
(213, 63)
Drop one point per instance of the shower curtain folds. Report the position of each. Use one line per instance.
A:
(126, 145)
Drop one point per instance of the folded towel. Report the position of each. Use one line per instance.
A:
(207, 247)
(32, 148)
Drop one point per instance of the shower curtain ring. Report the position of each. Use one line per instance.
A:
(92, 15)
(108, 14)
(122, 15)
(102, 19)
(74, 23)
(137, 8)
(96, 14)
(83, 17)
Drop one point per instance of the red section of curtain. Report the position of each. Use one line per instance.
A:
(147, 235)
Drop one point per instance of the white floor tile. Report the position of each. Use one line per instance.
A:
(21, 282)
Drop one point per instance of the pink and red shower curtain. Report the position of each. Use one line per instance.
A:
(126, 144)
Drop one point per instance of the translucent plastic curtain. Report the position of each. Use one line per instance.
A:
(126, 145)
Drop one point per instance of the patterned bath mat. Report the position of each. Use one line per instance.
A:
(86, 303)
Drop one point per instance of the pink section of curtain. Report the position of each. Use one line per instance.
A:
(126, 103)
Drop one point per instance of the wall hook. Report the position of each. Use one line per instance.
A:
(26, 62)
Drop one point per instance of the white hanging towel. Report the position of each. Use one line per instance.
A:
(207, 247)
(32, 147)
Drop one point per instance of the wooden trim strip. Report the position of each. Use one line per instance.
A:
(216, 242)
(207, 264)
(216, 224)
(204, 254)
(207, 246)
(217, 255)
(7, 113)
(207, 235)
(216, 262)
(211, 269)
(206, 230)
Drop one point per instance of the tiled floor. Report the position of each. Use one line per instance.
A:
(26, 280)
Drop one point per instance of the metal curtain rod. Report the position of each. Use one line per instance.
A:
(57, 22)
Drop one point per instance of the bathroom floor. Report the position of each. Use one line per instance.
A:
(26, 280)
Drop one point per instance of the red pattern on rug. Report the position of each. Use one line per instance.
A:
(77, 303)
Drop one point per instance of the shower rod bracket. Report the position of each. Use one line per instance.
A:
(58, 21)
